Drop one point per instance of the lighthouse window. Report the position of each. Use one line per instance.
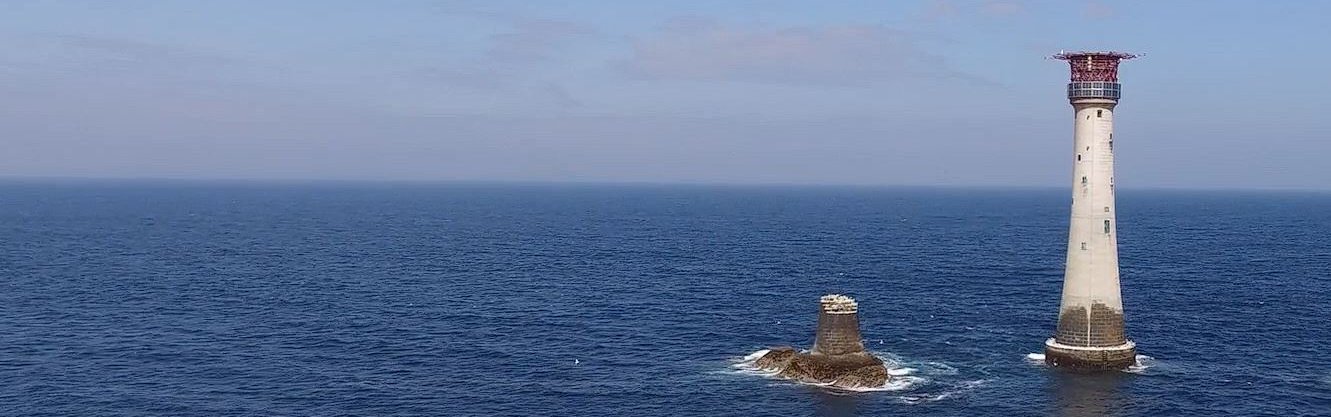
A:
(1078, 157)
(1098, 113)
(1083, 245)
(1106, 226)
(1106, 209)
(1083, 180)
(1111, 145)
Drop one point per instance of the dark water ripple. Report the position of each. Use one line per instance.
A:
(137, 299)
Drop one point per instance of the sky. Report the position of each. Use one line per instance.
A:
(1229, 94)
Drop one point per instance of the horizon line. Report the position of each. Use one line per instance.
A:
(644, 183)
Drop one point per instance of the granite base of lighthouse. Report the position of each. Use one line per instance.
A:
(1090, 359)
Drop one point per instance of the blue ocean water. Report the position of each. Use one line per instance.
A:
(253, 299)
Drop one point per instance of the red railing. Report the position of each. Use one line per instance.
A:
(1094, 66)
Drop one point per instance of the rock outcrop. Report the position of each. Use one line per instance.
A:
(776, 359)
(837, 358)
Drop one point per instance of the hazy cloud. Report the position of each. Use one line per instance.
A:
(131, 50)
(534, 40)
(939, 9)
(523, 65)
(102, 55)
(119, 81)
(838, 54)
(1097, 10)
(1002, 8)
(473, 78)
(527, 38)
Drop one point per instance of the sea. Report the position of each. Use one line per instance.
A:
(214, 298)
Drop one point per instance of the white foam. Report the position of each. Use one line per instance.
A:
(744, 366)
(1141, 365)
(887, 358)
(939, 368)
(918, 399)
(755, 355)
(749, 370)
(901, 371)
(892, 384)
(961, 388)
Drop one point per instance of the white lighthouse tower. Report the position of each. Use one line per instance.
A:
(1090, 333)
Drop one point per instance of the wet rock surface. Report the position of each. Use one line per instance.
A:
(776, 359)
(852, 370)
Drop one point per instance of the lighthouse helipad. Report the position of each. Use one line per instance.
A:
(1090, 334)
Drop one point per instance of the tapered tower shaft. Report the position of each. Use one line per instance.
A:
(1090, 332)
(1092, 308)
(838, 326)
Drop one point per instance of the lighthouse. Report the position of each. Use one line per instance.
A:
(1090, 333)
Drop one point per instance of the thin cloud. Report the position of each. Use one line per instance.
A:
(1098, 10)
(527, 39)
(524, 63)
(485, 79)
(945, 10)
(836, 55)
(1002, 8)
(534, 40)
(939, 10)
(62, 58)
(518, 61)
(136, 52)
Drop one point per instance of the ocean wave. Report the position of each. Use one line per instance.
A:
(901, 371)
(1035, 358)
(755, 355)
(956, 389)
(744, 365)
(1141, 365)
(939, 368)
